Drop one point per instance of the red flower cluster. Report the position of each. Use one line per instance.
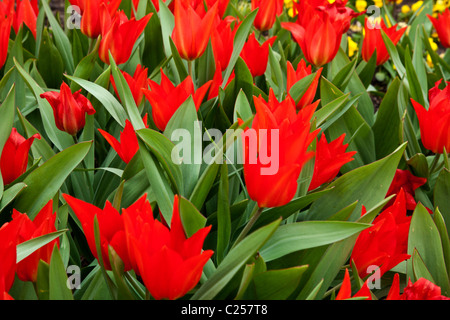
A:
(169, 263)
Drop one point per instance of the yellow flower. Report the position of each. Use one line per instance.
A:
(405, 9)
(429, 61)
(433, 44)
(361, 5)
(417, 5)
(331, 1)
(378, 3)
(352, 46)
(440, 6)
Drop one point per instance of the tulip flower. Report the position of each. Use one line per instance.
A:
(135, 82)
(128, 145)
(385, 243)
(442, 25)
(345, 292)
(69, 109)
(222, 6)
(8, 257)
(422, 289)
(42, 224)
(91, 20)
(267, 13)
(20, 12)
(330, 157)
(14, 157)
(165, 98)
(405, 180)
(293, 76)
(119, 35)
(435, 122)
(276, 157)
(192, 32)
(319, 28)
(373, 40)
(5, 30)
(110, 225)
(256, 55)
(222, 42)
(169, 263)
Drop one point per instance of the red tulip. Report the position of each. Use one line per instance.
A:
(435, 122)
(222, 42)
(330, 157)
(256, 55)
(169, 263)
(8, 256)
(422, 289)
(165, 98)
(135, 82)
(345, 292)
(42, 224)
(405, 180)
(192, 31)
(267, 13)
(284, 136)
(222, 6)
(91, 20)
(293, 76)
(21, 12)
(319, 29)
(14, 157)
(69, 109)
(442, 26)
(110, 225)
(128, 145)
(373, 40)
(119, 35)
(5, 30)
(385, 243)
(217, 82)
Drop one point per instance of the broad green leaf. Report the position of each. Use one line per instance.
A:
(6, 125)
(59, 138)
(239, 42)
(343, 77)
(50, 63)
(387, 125)
(45, 181)
(105, 97)
(26, 248)
(424, 237)
(300, 87)
(419, 268)
(443, 233)
(393, 53)
(353, 186)
(10, 193)
(277, 284)
(307, 234)
(441, 195)
(184, 124)
(61, 40)
(204, 185)
(58, 289)
(191, 218)
(234, 261)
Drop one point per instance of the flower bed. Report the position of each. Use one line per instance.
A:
(224, 150)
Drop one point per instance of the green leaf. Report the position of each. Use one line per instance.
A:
(387, 125)
(277, 284)
(26, 248)
(105, 97)
(419, 268)
(354, 185)
(59, 138)
(184, 124)
(50, 63)
(61, 39)
(6, 124)
(393, 53)
(413, 81)
(441, 195)
(223, 215)
(307, 234)
(300, 87)
(424, 237)
(58, 289)
(239, 42)
(204, 185)
(191, 218)
(85, 67)
(45, 181)
(234, 261)
(10, 193)
(343, 77)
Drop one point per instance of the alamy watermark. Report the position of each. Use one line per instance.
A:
(262, 145)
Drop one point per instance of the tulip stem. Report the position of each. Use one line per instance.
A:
(190, 69)
(253, 218)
